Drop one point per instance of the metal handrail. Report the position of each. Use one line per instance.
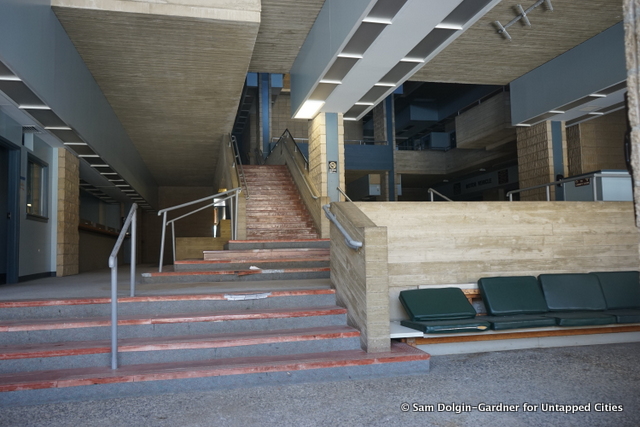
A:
(432, 192)
(563, 181)
(344, 194)
(230, 194)
(113, 265)
(312, 191)
(237, 165)
(350, 242)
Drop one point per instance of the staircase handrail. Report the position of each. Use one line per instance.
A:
(560, 182)
(237, 165)
(113, 265)
(349, 241)
(225, 195)
(283, 138)
(347, 198)
(431, 191)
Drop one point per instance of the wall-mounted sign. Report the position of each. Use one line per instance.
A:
(582, 182)
(333, 166)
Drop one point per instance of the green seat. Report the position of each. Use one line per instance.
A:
(568, 292)
(621, 290)
(575, 299)
(581, 318)
(436, 304)
(447, 326)
(499, 323)
(508, 296)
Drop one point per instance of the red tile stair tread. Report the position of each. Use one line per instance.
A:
(74, 348)
(215, 367)
(250, 260)
(124, 320)
(238, 272)
(153, 298)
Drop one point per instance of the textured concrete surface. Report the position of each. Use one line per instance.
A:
(578, 376)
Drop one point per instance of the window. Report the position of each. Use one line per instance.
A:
(36, 188)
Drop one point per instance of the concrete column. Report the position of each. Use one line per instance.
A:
(631, 10)
(536, 157)
(384, 130)
(68, 251)
(597, 144)
(326, 144)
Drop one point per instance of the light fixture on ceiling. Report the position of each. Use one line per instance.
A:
(309, 109)
(100, 166)
(108, 173)
(10, 79)
(34, 107)
(88, 155)
(57, 128)
(74, 143)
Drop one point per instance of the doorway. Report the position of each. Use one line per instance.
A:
(9, 212)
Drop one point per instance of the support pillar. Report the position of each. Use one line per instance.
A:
(631, 10)
(538, 146)
(384, 130)
(68, 250)
(326, 154)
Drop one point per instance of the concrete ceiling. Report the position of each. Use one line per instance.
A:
(173, 81)
(482, 56)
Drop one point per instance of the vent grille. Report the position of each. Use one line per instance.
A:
(30, 129)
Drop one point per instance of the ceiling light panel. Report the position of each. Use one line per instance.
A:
(364, 36)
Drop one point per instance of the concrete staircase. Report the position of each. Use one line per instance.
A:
(274, 208)
(53, 349)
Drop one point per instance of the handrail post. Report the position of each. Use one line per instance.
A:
(235, 216)
(595, 188)
(114, 315)
(173, 233)
(134, 232)
(164, 227)
(548, 193)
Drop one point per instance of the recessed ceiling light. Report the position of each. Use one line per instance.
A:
(10, 79)
(74, 143)
(523, 125)
(350, 119)
(123, 185)
(382, 84)
(331, 82)
(556, 112)
(364, 103)
(88, 155)
(108, 173)
(100, 166)
(116, 180)
(444, 26)
(374, 20)
(57, 128)
(309, 109)
(409, 59)
(350, 55)
(598, 95)
(34, 107)
(596, 113)
(128, 191)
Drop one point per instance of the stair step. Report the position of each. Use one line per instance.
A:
(259, 254)
(265, 264)
(128, 320)
(237, 275)
(278, 244)
(206, 368)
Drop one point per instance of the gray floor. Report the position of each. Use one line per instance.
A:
(558, 376)
(98, 284)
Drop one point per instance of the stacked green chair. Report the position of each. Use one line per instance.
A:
(514, 302)
(440, 310)
(621, 290)
(575, 299)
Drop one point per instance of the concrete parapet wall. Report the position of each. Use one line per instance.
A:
(361, 277)
(460, 242)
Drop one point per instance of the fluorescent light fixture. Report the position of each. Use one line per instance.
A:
(409, 59)
(596, 113)
(57, 128)
(598, 95)
(364, 103)
(116, 180)
(309, 109)
(383, 84)
(128, 191)
(523, 125)
(350, 119)
(123, 185)
(556, 112)
(331, 82)
(74, 143)
(29, 205)
(445, 26)
(374, 20)
(108, 173)
(88, 155)
(350, 55)
(10, 79)
(100, 166)
(34, 107)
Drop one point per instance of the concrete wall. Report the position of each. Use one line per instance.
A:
(460, 242)
(360, 277)
(68, 213)
(535, 160)
(281, 119)
(489, 123)
(227, 177)
(597, 144)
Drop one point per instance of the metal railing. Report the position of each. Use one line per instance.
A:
(296, 155)
(237, 165)
(113, 265)
(216, 200)
(432, 192)
(347, 198)
(349, 241)
(563, 181)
